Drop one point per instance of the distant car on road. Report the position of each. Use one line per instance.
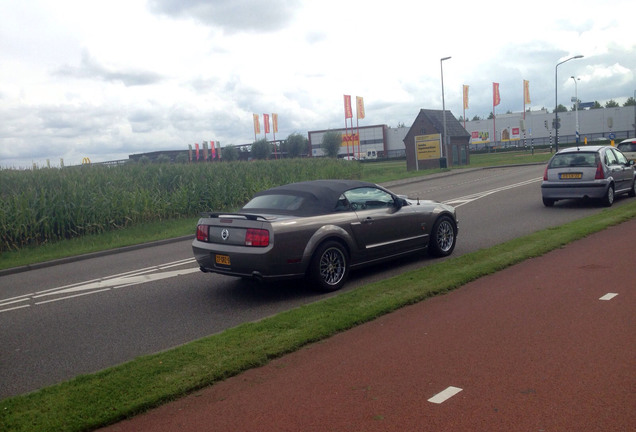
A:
(628, 147)
(597, 172)
(320, 230)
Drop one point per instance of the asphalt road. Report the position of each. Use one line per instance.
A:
(62, 321)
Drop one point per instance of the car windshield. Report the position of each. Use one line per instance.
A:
(578, 159)
(627, 147)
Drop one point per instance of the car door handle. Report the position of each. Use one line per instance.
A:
(368, 220)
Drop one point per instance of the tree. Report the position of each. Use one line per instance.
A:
(561, 108)
(182, 158)
(295, 145)
(230, 153)
(261, 149)
(475, 118)
(596, 105)
(611, 104)
(491, 115)
(331, 143)
(630, 102)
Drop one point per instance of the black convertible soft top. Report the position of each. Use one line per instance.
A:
(320, 196)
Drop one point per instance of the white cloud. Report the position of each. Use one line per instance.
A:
(106, 80)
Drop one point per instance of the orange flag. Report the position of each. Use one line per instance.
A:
(257, 125)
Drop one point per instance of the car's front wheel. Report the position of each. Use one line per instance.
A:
(443, 237)
(329, 266)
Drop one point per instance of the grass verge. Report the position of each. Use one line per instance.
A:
(95, 400)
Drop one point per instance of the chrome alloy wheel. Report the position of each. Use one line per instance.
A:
(333, 264)
(445, 236)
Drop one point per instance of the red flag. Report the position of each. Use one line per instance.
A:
(347, 107)
(495, 94)
(213, 149)
(266, 123)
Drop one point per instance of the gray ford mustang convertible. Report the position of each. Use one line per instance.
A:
(320, 230)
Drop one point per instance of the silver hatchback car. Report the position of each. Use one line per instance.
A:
(597, 172)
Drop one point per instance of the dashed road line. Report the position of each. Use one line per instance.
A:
(443, 396)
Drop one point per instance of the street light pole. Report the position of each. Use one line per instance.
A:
(444, 138)
(576, 107)
(556, 100)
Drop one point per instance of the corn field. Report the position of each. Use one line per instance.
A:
(47, 205)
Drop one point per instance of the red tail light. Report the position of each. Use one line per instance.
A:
(257, 237)
(600, 175)
(545, 173)
(202, 233)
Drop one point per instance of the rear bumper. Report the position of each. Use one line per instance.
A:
(258, 263)
(560, 190)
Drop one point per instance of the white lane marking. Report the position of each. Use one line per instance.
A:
(121, 280)
(608, 296)
(445, 395)
(15, 308)
(73, 296)
(458, 202)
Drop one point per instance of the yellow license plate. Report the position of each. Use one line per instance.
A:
(222, 259)
(569, 176)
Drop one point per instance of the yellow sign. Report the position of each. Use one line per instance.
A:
(350, 140)
(428, 146)
(86, 161)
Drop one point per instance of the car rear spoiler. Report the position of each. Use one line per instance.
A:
(247, 216)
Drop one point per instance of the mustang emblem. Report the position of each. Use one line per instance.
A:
(225, 234)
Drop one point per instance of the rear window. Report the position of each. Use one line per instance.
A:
(627, 147)
(578, 159)
(275, 202)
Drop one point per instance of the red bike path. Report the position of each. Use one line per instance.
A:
(546, 345)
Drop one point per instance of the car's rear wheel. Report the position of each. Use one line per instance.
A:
(632, 191)
(443, 237)
(329, 266)
(548, 202)
(608, 199)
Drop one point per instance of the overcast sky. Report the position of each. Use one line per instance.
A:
(108, 79)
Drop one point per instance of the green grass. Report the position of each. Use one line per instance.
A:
(95, 400)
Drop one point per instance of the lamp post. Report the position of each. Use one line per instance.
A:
(444, 138)
(556, 101)
(576, 107)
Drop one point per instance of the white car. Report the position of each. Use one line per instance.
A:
(628, 147)
(596, 172)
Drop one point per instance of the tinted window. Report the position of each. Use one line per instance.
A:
(627, 147)
(275, 202)
(579, 159)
